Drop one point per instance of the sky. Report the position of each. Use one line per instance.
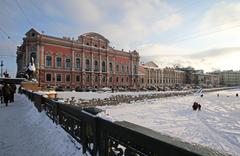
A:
(203, 34)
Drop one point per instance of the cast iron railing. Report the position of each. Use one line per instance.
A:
(105, 138)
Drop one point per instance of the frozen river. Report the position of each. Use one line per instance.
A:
(217, 125)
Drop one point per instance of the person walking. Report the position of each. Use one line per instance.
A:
(6, 91)
(13, 91)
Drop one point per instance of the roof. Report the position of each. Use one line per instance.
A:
(151, 64)
(95, 35)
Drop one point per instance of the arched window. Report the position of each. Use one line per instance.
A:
(88, 68)
(122, 68)
(95, 65)
(135, 69)
(58, 62)
(96, 78)
(111, 66)
(48, 61)
(78, 63)
(103, 66)
(117, 68)
(104, 79)
(110, 79)
(68, 63)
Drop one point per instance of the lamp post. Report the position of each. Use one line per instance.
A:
(1, 68)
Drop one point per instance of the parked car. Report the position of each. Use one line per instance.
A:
(78, 89)
(59, 89)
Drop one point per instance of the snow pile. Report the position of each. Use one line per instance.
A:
(217, 125)
(25, 131)
(102, 95)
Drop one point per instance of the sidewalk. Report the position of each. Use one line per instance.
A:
(26, 132)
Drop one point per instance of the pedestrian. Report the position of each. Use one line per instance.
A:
(237, 95)
(13, 91)
(217, 95)
(201, 95)
(195, 106)
(6, 90)
(199, 107)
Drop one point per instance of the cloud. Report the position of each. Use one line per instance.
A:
(221, 15)
(125, 24)
(222, 58)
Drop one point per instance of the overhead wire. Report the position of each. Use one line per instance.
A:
(24, 14)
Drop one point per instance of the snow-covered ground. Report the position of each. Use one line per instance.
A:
(26, 132)
(217, 125)
(102, 95)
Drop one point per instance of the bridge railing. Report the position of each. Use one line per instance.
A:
(105, 138)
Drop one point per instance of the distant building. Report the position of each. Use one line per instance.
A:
(228, 77)
(86, 62)
(150, 75)
(199, 78)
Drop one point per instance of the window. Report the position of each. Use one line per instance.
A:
(96, 78)
(122, 79)
(110, 79)
(95, 65)
(122, 68)
(135, 69)
(127, 70)
(88, 78)
(59, 78)
(117, 79)
(103, 67)
(103, 47)
(78, 63)
(104, 79)
(111, 66)
(48, 77)
(33, 34)
(95, 45)
(127, 79)
(142, 80)
(68, 78)
(78, 78)
(59, 62)
(87, 65)
(117, 68)
(68, 63)
(48, 61)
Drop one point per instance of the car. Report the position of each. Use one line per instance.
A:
(78, 89)
(59, 89)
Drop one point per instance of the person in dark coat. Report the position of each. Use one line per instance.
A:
(6, 90)
(195, 106)
(13, 91)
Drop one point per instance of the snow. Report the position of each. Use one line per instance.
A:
(217, 125)
(26, 132)
(102, 95)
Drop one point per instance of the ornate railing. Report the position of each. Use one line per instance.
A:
(106, 138)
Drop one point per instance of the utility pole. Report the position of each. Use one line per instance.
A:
(1, 68)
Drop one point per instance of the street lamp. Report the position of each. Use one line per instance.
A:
(1, 68)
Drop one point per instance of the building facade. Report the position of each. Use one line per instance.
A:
(86, 62)
(228, 77)
(150, 75)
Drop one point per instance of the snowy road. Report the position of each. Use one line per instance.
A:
(26, 132)
(216, 126)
